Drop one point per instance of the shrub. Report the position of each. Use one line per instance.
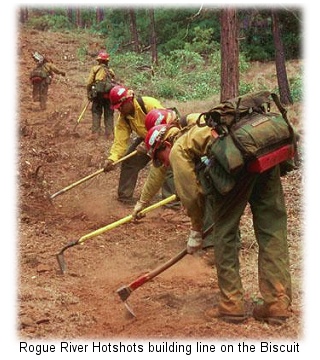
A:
(296, 85)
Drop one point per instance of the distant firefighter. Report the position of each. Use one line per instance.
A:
(100, 81)
(40, 77)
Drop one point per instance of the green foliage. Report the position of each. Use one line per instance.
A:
(50, 22)
(202, 42)
(245, 88)
(183, 58)
(166, 89)
(181, 75)
(82, 52)
(192, 78)
(188, 46)
(179, 28)
(296, 87)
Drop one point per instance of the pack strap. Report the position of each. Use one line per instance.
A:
(107, 73)
(142, 105)
(283, 112)
(143, 108)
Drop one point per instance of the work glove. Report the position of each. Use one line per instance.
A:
(194, 241)
(141, 148)
(140, 205)
(108, 165)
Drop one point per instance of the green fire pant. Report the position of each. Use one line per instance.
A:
(265, 195)
(101, 106)
(40, 93)
(129, 172)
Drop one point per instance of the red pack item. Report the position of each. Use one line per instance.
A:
(269, 160)
(36, 79)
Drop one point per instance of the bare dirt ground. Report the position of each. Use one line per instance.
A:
(83, 303)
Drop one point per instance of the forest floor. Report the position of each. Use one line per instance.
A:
(83, 303)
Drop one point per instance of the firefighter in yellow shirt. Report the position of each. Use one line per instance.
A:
(158, 174)
(263, 192)
(100, 81)
(130, 123)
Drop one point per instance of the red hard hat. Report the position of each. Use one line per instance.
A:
(103, 56)
(158, 117)
(154, 138)
(117, 95)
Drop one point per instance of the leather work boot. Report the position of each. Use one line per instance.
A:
(273, 314)
(127, 201)
(229, 312)
(227, 317)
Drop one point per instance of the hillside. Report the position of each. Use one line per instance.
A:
(83, 303)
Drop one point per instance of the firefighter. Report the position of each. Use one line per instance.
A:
(130, 123)
(264, 193)
(100, 81)
(158, 174)
(41, 77)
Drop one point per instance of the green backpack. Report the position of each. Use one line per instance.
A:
(247, 135)
(105, 85)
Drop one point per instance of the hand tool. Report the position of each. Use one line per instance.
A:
(125, 291)
(60, 255)
(71, 186)
(81, 115)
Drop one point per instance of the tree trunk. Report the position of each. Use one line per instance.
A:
(23, 15)
(79, 19)
(229, 54)
(133, 30)
(70, 15)
(153, 40)
(99, 15)
(284, 90)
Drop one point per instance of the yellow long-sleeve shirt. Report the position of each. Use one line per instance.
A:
(50, 68)
(124, 126)
(98, 73)
(184, 153)
(157, 175)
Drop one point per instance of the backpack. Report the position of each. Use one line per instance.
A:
(38, 74)
(104, 86)
(246, 135)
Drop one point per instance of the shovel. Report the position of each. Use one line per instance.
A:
(71, 186)
(60, 255)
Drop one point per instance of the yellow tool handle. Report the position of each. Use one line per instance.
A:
(126, 157)
(90, 176)
(83, 111)
(126, 219)
(76, 183)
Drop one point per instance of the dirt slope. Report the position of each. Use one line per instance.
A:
(83, 303)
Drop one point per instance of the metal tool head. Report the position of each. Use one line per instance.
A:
(61, 262)
(124, 292)
(129, 308)
(60, 257)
